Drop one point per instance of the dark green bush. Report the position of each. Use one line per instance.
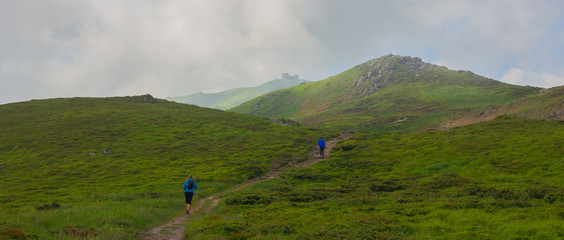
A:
(463, 203)
(304, 196)
(252, 171)
(248, 199)
(386, 186)
(276, 228)
(282, 188)
(227, 229)
(345, 147)
(308, 174)
(48, 206)
(504, 203)
(492, 192)
(447, 180)
(548, 193)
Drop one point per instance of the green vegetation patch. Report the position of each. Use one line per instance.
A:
(497, 178)
(399, 94)
(107, 167)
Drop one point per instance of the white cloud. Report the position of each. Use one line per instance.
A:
(57, 48)
(522, 77)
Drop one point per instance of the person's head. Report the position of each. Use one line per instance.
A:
(190, 176)
(320, 137)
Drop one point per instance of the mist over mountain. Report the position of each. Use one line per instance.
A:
(390, 93)
(233, 97)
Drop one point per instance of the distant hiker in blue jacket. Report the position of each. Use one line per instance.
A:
(321, 144)
(189, 187)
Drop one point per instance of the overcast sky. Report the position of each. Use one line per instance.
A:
(98, 48)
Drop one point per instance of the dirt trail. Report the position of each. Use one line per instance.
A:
(174, 229)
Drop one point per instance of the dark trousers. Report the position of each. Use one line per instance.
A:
(188, 197)
(322, 151)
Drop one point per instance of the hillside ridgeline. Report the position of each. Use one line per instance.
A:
(391, 94)
(107, 167)
(232, 98)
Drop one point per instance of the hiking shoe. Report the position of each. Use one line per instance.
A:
(187, 212)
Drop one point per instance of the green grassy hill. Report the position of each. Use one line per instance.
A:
(107, 167)
(501, 179)
(547, 104)
(391, 93)
(232, 98)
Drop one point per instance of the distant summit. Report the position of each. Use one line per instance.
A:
(397, 94)
(232, 98)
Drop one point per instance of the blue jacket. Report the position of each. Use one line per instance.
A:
(321, 143)
(186, 184)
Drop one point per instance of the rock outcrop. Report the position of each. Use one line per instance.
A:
(381, 69)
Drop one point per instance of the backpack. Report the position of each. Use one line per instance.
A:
(190, 185)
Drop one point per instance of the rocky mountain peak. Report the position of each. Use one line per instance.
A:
(391, 62)
(378, 72)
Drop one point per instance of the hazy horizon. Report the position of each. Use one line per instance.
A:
(52, 49)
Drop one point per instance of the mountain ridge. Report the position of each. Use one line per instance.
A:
(231, 98)
(376, 94)
(110, 168)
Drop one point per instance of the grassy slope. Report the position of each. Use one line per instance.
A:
(231, 98)
(547, 104)
(498, 179)
(52, 158)
(426, 98)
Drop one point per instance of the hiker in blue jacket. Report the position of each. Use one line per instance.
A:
(189, 187)
(321, 144)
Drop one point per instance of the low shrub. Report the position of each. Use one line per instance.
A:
(48, 206)
(13, 234)
(277, 228)
(463, 203)
(79, 231)
(252, 171)
(492, 192)
(504, 203)
(448, 180)
(304, 196)
(248, 199)
(345, 147)
(548, 193)
(308, 174)
(226, 228)
(387, 186)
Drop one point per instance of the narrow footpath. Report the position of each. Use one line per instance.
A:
(174, 229)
